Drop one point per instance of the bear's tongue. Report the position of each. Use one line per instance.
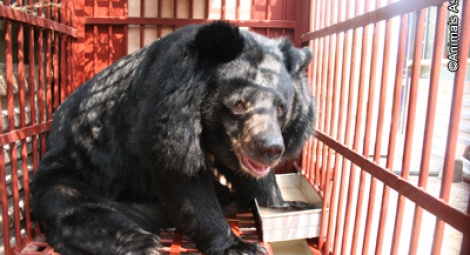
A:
(255, 168)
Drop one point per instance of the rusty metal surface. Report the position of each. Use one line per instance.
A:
(347, 123)
(27, 107)
(384, 13)
(342, 163)
(20, 16)
(174, 242)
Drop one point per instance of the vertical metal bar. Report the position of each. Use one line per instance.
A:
(305, 163)
(352, 171)
(208, 9)
(305, 156)
(284, 16)
(306, 159)
(342, 136)
(50, 73)
(318, 95)
(57, 45)
(141, 27)
(126, 29)
(410, 125)
(22, 110)
(380, 124)
(71, 51)
(455, 113)
(308, 152)
(63, 71)
(70, 70)
(329, 80)
(56, 63)
(110, 35)
(313, 173)
(42, 82)
(59, 88)
(159, 13)
(11, 127)
(32, 91)
(326, 197)
(321, 96)
(326, 156)
(267, 15)
(357, 142)
(4, 200)
(333, 132)
(367, 133)
(21, 74)
(191, 9)
(298, 8)
(332, 65)
(64, 49)
(368, 120)
(175, 11)
(96, 46)
(237, 10)
(223, 9)
(336, 157)
(393, 130)
(324, 100)
(3, 174)
(338, 101)
(430, 120)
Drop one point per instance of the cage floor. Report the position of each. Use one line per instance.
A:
(173, 241)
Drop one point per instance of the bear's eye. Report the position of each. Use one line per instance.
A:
(238, 107)
(280, 110)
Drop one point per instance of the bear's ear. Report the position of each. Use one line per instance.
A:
(296, 60)
(218, 42)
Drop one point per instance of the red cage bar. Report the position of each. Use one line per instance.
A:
(352, 222)
(430, 119)
(22, 135)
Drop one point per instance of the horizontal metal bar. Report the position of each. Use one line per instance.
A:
(24, 17)
(20, 134)
(183, 22)
(457, 219)
(384, 13)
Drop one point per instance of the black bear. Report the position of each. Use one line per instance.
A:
(133, 150)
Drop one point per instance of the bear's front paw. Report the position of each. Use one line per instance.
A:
(138, 241)
(244, 248)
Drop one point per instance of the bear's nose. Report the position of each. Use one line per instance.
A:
(272, 148)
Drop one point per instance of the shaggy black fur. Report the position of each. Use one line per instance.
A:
(129, 151)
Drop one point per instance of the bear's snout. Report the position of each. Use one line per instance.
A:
(262, 143)
(270, 146)
(263, 139)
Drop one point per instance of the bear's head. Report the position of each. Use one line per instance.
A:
(257, 111)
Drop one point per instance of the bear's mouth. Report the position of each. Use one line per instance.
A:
(254, 167)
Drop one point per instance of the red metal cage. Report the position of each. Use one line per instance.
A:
(392, 108)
